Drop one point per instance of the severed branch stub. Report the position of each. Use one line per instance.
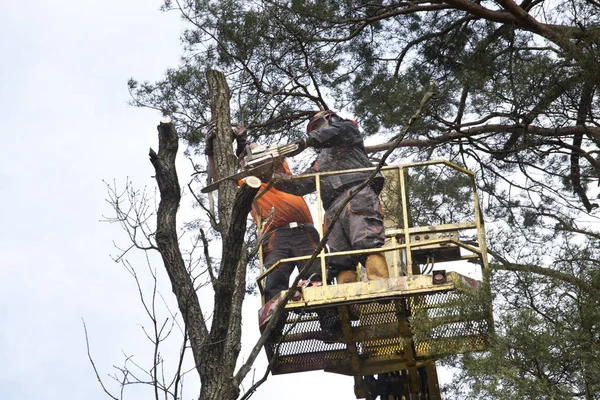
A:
(253, 182)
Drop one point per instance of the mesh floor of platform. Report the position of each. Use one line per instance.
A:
(422, 327)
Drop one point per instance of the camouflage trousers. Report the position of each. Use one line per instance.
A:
(359, 226)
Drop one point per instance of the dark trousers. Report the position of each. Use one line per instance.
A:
(288, 243)
(359, 226)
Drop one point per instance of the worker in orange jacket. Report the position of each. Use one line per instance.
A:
(287, 228)
(287, 231)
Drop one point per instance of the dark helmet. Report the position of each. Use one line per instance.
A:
(327, 115)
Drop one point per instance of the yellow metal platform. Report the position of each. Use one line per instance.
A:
(389, 332)
(395, 323)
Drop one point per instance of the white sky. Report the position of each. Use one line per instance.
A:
(66, 127)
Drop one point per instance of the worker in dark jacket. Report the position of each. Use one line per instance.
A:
(339, 145)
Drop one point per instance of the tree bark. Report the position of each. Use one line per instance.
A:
(167, 241)
(225, 162)
(234, 204)
(215, 352)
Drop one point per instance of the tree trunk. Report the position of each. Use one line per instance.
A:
(216, 351)
(219, 358)
(167, 240)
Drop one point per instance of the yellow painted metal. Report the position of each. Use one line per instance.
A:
(359, 291)
(327, 255)
(319, 227)
(347, 332)
(396, 254)
(405, 219)
(406, 231)
(406, 322)
(432, 379)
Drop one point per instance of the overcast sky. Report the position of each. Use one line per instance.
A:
(66, 128)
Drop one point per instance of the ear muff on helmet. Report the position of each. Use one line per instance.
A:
(327, 115)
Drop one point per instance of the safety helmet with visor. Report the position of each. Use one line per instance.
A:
(320, 119)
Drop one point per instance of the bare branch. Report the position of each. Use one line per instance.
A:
(87, 344)
(506, 265)
(211, 273)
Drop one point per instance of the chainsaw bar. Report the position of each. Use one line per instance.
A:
(257, 161)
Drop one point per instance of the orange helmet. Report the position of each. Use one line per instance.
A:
(327, 115)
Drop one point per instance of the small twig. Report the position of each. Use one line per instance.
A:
(211, 273)
(87, 344)
(209, 210)
(178, 374)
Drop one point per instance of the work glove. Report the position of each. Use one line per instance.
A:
(208, 143)
(311, 141)
(240, 136)
(306, 142)
(301, 146)
(241, 139)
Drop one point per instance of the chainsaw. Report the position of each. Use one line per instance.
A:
(257, 161)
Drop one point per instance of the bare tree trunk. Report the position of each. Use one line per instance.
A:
(234, 206)
(166, 237)
(215, 351)
(225, 162)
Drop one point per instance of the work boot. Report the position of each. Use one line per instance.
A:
(376, 267)
(346, 277)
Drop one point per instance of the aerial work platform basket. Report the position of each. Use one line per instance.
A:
(435, 303)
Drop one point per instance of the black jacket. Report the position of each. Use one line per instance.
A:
(340, 147)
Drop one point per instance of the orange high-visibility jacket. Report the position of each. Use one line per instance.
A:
(278, 208)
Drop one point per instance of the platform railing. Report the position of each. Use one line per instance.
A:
(406, 244)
